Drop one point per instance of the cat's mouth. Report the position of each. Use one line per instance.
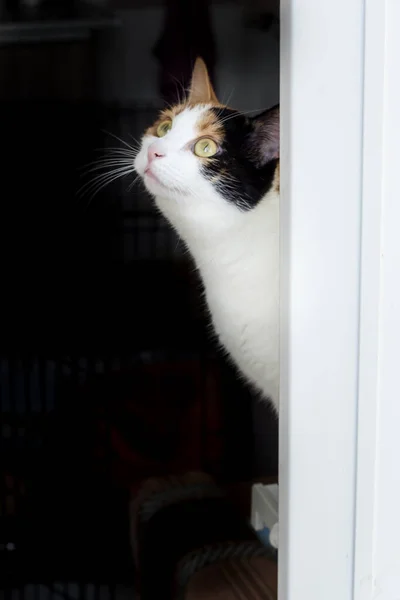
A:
(150, 178)
(149, 173)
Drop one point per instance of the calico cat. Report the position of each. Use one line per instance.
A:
(214, 174)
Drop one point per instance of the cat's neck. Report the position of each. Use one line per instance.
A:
(238, 260)
(233, 239)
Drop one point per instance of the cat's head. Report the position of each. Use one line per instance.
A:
(204, 161)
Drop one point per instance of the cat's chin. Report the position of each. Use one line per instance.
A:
(152, 182)
(154, 188)
(158, 189)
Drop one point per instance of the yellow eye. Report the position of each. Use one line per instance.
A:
(205, 148)
(163, 128)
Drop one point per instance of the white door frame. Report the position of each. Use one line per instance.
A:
(340, 232)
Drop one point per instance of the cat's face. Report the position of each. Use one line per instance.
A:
(202, 156)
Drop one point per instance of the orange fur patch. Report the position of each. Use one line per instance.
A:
(277, 178)
(207, 127)
(167, 113)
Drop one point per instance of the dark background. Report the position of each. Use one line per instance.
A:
(108, 373)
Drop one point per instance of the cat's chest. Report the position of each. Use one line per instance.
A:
(244, 305)
(245, 316)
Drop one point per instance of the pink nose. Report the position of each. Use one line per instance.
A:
(154, 152)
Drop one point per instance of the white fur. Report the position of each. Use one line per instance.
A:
(236, 252)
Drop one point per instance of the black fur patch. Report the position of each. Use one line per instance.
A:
(236, 171)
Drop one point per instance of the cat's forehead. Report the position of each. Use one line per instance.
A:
(199, 120)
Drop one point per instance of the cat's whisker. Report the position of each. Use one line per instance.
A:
(100, 181)
(230, 96)
(134, 139)
(169, 105)
(238, 114)
(98, 161)
(103, 184)
(127, 151)
(184, 91)
(121, 158)
(133, 183)
(225, 103)
(112, 157)
(107, 164)
(119, 140)
(103, 163)
(108, 172)
(115, 154)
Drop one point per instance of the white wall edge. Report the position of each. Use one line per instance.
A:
(386, 525)
(370, 301)
(322, 54)
(340, 417)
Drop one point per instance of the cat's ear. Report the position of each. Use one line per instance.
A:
(201, 90)
(265, 136)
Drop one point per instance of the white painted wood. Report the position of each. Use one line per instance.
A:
(340, 417)
(370, 304)
(386, 544)
(377, 550)
(321, 114)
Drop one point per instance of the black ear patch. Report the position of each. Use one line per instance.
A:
(243, 171)
(265, 138)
